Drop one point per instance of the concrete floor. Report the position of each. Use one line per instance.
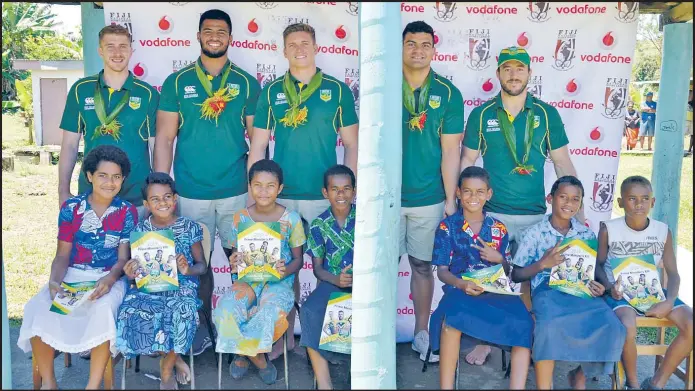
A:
(409, 374)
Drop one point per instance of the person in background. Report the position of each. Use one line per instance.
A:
(632, 122)
(689, 121)
(648, 126)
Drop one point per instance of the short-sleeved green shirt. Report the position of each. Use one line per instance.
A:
(513, 193)
(138, 120)
(210, 158)
(422, 182)
(306, 152)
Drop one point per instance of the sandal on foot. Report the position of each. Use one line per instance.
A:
(269, 374)
(238, 371)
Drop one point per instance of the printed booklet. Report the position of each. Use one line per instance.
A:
(573, 275)
(492, 279)
(337, 324)
(639, 281)
(260, 245)
(155, 252)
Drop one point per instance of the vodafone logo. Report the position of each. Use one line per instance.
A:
(140, 70)
(342, 33)
(437, 39)
(473, 102)
(444, 57)
(222, 270)
(585, 9)
(524, 40)
(596, 135)
(255, 45)
(160, 42)
(165, 24)
(572, 88)
(253, 27)
(608, 41)
(488, 86)
(492, 10)
(412, 9)
(333, 49)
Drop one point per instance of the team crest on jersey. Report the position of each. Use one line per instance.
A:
(435, 101)
(325, 95)
(233, 89)
(536, 121)
(134, 102)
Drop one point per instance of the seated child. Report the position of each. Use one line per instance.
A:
(466, 241)
(251, 317)
(93, 245)
(331, 243)
(164, 323)
(637, 234)
(568, 328)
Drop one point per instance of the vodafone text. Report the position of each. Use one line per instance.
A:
(596, 151)
(492, 10)
(581, 9)
(160, 42)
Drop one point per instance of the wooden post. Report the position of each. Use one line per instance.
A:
(676, 63)
(379, 198)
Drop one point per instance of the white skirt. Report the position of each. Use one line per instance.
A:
(87, 327)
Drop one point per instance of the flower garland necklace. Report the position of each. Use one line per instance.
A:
(416, 121)
(109, 126)
(509, 134)
(294, 116)
(216, 102)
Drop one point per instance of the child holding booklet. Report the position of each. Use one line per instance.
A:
(252, 316)
(567, 328)
(331, 243)
(466, 241)
(164, 323)
(93, 245)
(636, 234)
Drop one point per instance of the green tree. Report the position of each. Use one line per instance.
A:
(21, 21)
(50, 47)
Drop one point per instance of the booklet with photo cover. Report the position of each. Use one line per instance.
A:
(260, 245)
(155, 252)
(76, 294)
(337, 324)
(492, 279)
(573, 275)
(639, 281)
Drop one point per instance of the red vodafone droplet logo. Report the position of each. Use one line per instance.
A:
(410, 296)
(253, 27)
(487, 86)
(140, 70)
(523, 40)
(572, 87)
(608, 40)
(437, 38)
(342, 33)
(596, 135)
(165, 24)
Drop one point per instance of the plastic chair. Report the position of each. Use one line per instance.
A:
(659, 350)
(207, 244)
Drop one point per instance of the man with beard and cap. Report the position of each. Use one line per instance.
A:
(111, 107)
(207, 106)
(514, 133)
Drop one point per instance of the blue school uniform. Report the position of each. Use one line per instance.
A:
(490, 318)
(568, 328)
(335, 245)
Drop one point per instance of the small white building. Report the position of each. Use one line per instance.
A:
(51, 81)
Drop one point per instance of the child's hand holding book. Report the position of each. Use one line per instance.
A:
(345, 277)
(280, 267)
(617, 289)
(234, 260)
(131, 268)
(182, 264)
(54, 289)
(470, 287)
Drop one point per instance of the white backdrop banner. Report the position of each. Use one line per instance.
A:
(582, 56)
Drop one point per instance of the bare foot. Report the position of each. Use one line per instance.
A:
(183, 371)
(259, 361)
(167, 376)
(49, 386)
(478, 355)
(577, 379)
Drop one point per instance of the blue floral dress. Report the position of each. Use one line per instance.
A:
(250, 317)
(490, 318)
(161, 322)
(568, 328)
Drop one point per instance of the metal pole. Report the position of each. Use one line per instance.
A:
(670, 120)
(6, 344)
(92, 22)
(379, 198)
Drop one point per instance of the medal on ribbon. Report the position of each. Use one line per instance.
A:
(522, 168)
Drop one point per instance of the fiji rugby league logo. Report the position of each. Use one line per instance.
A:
(444, 11)
(265, 73)
(535, 86)
(627, 11)
(266, 5)
(352, 79)
(565, 50)
(478, 49)
(353, 8)
(615, 97)
(123, 19)
(538, 11)
(602, 192)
